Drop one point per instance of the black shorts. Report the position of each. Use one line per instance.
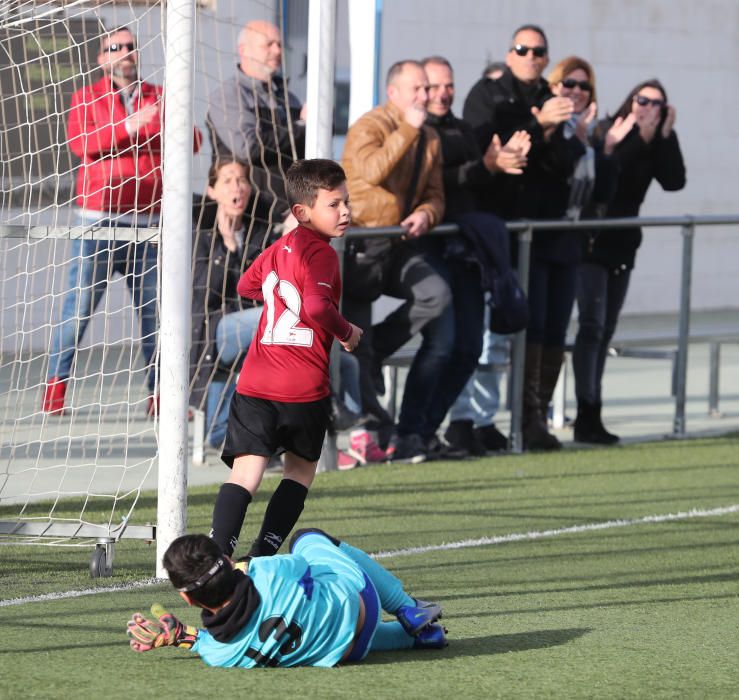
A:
(263, 427)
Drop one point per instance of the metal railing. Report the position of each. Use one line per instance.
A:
(524, 230)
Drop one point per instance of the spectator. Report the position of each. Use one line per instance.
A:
(472, 417)
(393, 167)
(649, 150)
(467, 174)
(223, 323)
(253, 118)
(521, 99)
(115, 129)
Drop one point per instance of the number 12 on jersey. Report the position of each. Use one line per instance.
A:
(284, 331)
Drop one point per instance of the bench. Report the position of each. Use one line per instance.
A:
(659, 344)
(651, 336)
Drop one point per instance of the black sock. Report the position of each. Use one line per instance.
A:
(228, 516)
(283, 511)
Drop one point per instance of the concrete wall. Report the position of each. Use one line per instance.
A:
(692, 47)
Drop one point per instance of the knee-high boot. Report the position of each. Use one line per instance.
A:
(549, 364)
(535, 434)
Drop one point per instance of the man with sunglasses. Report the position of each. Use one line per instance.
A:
(520, 99)
(114, 129)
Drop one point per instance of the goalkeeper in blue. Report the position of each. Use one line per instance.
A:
(317, 606)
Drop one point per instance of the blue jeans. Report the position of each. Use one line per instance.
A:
(234, 334)
(551, 298)
(480, 399)
(600, 295)
(467, 310)
(92, 264)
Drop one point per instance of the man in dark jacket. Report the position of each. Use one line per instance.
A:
(468, 176)
(521, 99)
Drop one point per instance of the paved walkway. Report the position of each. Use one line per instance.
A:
(113, 449)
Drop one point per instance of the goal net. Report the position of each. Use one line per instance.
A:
(79, 420)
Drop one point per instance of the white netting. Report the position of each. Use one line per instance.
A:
(88, 465)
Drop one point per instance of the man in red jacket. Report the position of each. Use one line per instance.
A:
(115, 129)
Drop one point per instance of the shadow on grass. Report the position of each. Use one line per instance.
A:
(492, 644)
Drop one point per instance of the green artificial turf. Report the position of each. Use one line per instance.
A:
(646, 610)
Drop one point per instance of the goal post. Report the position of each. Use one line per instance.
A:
(74, 476)
(176, 235)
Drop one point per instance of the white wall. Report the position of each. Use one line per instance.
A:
(693, 48)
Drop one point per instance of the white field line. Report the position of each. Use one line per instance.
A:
(461, 544)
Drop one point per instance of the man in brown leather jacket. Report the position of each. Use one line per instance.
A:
(393, 167)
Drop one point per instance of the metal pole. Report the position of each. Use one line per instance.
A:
(320, 87)
(318, 144)
(363, 47)
(176, 242)
(518, 355)
(678, 427)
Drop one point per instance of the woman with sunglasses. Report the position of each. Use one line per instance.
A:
(648, 151)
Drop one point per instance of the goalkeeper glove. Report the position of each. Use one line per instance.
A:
(162, 631)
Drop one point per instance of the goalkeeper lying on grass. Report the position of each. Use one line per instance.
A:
(317, 606)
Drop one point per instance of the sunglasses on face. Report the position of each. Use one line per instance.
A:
(522, 50)
(571, 84)
(643, 101)
(128, 46)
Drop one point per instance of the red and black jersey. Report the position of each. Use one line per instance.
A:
(298, 280)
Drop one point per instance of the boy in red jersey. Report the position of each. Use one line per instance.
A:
(282, 396)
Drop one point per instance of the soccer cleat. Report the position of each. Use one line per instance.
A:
(53, 403)
(364, 448)
(346, 461)
(431, 637)
(415, 617)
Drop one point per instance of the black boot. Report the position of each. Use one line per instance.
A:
(491, 438)
(535, 433)
(588, 425)
(460, 435)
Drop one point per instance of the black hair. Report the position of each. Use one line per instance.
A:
(625, 108)
(188, 558)
(304, 178)
(531, 28)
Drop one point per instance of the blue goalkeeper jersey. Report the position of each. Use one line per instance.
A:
(307, 613)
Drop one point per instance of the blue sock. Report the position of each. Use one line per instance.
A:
(389, 587)
(390, 636)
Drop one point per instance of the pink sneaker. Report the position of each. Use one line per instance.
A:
(364, 448)
(346, 461)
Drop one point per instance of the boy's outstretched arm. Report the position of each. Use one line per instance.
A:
(162, 631)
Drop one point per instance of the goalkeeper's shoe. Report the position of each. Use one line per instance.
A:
(163, 631)
(432, 636)
(415, 617)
